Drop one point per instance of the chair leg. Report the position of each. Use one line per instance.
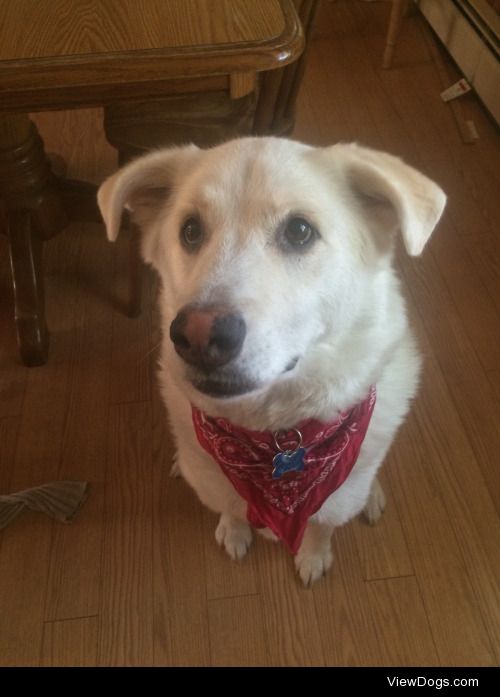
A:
(26, 262)
(136, 273)
(397, 12)
(135, 263)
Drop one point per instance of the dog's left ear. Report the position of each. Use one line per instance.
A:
(397, 195)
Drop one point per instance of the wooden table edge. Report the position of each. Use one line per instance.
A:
(44, 83)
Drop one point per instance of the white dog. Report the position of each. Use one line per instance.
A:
(287, 363)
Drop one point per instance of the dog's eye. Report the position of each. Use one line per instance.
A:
(299, 233)
(191, 233)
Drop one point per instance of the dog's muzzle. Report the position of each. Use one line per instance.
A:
(208, 338)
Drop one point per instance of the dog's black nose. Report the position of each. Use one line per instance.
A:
(208, 337)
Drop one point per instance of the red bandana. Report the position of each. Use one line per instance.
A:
(286, 503)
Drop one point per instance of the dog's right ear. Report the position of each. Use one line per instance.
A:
(142, 186)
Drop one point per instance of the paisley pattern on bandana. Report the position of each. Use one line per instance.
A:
(285, 504)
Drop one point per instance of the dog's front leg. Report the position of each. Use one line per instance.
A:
(234, 534)
(214, 490)
(314, 557)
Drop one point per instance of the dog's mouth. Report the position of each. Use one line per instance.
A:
(223, 388)
(226, 386)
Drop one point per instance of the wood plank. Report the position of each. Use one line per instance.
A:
(237, 632)
(484, 251)
(382, 548)
(291, 622)
(88, 404)
(464, 208)
(226, 578)
(25, 553)
(439, 418)
(9, 428)
(180, 604)
(70, 643)
(13, 373)
(480, 317)
(131, 343)
(337, 627)
(74, 574)
(403, 628)
(393, 134)
(407, 101)
(469, 503)
(463, 506)
(53, 379)
(346, 122)
(126, 616)
(347, 632)
(494, 380)
(447, 591)
(73, 588)
(179, 569)
(24, 558)
(471, 391)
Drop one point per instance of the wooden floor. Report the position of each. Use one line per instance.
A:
(137, 579)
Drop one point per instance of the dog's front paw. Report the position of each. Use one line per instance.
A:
(314, 557)
(234, 535)
(313, 564)
(375, 505)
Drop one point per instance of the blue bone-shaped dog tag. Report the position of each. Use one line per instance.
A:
(288, 461)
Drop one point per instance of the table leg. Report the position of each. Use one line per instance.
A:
(135, 263)
(33, 212)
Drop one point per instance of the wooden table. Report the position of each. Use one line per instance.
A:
(63, 54)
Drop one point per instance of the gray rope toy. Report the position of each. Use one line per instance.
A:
(60, 500)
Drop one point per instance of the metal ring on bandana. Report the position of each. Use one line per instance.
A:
(295, 430)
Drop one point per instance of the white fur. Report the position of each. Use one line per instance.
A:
(337, 305)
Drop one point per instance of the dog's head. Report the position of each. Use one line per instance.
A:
(268, 250)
